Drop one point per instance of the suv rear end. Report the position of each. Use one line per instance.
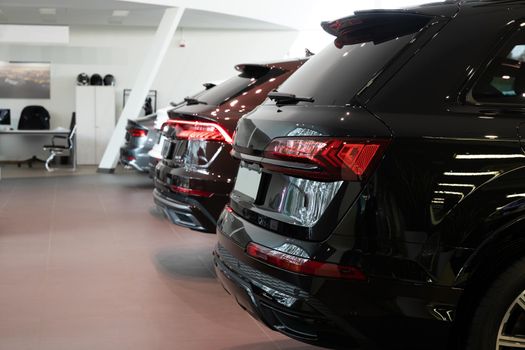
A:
(300, 244)
(143, 137)
(196, 174)
(139, 141)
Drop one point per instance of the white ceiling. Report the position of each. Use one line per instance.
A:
(99, 13)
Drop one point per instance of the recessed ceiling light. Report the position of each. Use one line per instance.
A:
(48, 11)
(120, 13)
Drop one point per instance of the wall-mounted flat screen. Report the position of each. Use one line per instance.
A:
(25, 80)
(5, 116)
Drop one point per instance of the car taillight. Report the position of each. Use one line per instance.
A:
(325, 158)
(302, 265)
(138, 132)
(191, 192)
(196, 130)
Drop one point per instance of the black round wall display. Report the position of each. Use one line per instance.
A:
(82, 79)
(109, 80)
(96, 79)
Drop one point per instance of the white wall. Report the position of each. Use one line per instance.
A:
(297, 14)
(208, 56)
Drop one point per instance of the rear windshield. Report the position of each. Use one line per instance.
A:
(234, 86)
(334, 76)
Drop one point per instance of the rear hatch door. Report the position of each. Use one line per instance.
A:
(201, 129)
(323, 104)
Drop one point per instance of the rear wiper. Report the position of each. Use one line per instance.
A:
(194, 101)
(284, 98)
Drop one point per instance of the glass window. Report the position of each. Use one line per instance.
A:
(226, 90)
(504, 80)
(335, 75)
(234, 86)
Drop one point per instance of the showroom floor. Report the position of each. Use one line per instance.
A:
(87, 263)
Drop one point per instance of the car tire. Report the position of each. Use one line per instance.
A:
(496, 314)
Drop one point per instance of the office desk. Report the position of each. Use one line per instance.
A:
(21, 145)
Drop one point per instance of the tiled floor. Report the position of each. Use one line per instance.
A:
(11, 170)
(86, 263)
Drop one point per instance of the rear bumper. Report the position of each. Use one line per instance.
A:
(183, 213)
(234, 284)
(206, 197)
(378, 314)
(270, 301)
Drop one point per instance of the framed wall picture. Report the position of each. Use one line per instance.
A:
(25, 80)
(150, 104)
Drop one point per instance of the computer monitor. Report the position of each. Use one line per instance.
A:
(5, 116)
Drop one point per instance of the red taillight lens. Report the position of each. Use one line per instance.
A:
(195, 130)
(138, 132)
(302, 265)
(191, 192)
(332, 159)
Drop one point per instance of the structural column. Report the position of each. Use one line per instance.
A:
(150, 67)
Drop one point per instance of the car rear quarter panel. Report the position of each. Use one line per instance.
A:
(452, 178)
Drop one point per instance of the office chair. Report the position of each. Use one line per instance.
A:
(34, 118)
(57, 149)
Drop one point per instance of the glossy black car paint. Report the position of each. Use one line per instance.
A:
(207, 165)
(427, 261)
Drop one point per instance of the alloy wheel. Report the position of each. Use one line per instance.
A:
(511, 334)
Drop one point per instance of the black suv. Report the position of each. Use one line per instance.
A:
(380, 201)
(196, 174)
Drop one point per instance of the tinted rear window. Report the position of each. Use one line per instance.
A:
(334, 76)
(234, 86)
(225, 90)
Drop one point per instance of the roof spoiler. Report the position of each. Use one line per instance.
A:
(255, 70)
(174, 114)
(375, 26)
